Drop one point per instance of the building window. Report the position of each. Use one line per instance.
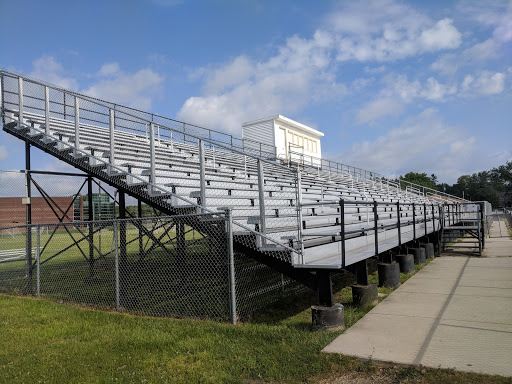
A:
(308, 144)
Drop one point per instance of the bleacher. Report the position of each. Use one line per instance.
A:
(283, 209)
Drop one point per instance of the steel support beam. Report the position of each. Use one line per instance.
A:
(90, 212)
(325, 294)
(202, 176)
(28, 218)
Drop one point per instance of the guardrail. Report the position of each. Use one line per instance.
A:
(182, 130)
(320, 164)
(376, 227)
(22, 95)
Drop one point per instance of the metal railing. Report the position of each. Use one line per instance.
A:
(181, 129)
(421, 213)
(318, 164)
(24, 97)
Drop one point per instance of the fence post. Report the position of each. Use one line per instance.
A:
(116, 263)
(231, 262)
(38, 264)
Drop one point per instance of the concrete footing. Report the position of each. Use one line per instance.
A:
(419, 255)
(389, 274)
(364, 294)
(429, 250)
(406, 263)
(328, 318)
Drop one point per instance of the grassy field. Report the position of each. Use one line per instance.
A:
(47, 342)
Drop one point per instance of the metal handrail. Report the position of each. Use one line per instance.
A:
(339, 168)
(229, 139)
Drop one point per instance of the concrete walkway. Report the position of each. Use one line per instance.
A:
(454, 313)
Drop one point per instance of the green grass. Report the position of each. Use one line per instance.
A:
(45, 342)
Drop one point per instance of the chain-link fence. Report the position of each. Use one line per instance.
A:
(165, 266)
(175, 266)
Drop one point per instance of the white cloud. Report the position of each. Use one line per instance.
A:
(305, 70)
(379, 108)
(423, 143)
(435, 91)
(495, 15)
(50, 70)
(486, 83)
(388, 31)
(131, 89)
(398, 92)
(3, 152)
(443, 35)
(109, 69)
(244, 89)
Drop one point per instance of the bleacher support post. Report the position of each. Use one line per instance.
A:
(425, 218)
(342, 233)
(398, 226)
(299, 214)
(326, 316)
(482, 219)
(414, 221)
(261, 195)
(77, 127)
(111, 136)
(139, 215)
(202, 177)
(363, 293)
(2, 95)
(151, 156)
(376, 227)
(47, 110)
(20, 101)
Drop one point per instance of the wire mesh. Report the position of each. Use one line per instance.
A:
(166, 266)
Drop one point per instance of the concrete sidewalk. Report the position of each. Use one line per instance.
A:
(454, 313)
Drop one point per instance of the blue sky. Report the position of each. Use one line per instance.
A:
(395, 86)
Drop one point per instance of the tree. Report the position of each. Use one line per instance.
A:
(419, 179)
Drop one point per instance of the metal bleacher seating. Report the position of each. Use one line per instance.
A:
(300, 214)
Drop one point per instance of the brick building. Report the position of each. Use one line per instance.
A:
(13, 211)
